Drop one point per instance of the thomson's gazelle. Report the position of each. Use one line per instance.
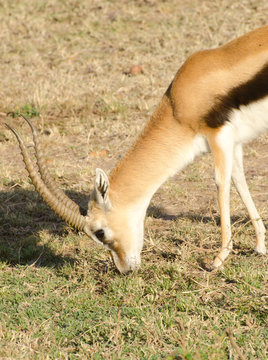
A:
(217, 101)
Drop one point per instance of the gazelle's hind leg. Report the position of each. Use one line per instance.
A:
(239, 180)
(221, 144)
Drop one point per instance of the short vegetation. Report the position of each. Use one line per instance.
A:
(67, 65)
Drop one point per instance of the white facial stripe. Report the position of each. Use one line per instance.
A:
(96, 226)
(108, 233)
(136, 217)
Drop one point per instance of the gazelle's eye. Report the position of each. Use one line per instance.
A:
(99, 234)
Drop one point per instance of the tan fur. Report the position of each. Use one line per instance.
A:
(166, 142)
(210, 73)
(203, 77)
(163, 138)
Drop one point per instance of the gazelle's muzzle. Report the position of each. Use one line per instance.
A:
(126, 264)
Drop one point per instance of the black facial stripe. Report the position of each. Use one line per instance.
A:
(244, 94)
(99, 234)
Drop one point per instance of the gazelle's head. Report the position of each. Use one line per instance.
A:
(116, 227)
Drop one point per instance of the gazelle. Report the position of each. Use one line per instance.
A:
(217, 101)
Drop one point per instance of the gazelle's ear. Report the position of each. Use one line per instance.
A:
(100, 193)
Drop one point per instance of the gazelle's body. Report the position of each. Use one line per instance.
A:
(217, 101)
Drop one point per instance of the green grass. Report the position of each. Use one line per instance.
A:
(27, 110)
(67, 64)
(71, 307)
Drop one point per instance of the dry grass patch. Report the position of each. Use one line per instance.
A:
(67, 65)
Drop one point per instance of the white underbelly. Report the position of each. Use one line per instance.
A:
(250, 121)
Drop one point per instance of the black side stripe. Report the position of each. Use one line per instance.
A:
(244, 94)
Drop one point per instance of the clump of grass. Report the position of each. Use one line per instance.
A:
(27, 110)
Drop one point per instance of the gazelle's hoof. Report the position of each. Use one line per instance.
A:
(261, 249)
(217, 264)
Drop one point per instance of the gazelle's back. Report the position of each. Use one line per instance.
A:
(213, 82)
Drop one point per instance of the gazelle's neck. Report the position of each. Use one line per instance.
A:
(164, 147)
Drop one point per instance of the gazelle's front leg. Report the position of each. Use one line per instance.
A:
(221, 144)
(238, 177)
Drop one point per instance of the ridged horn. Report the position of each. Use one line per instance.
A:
(45, 175)
(67, 214)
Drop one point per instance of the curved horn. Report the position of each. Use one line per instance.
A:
(68, 215)
(45, 175)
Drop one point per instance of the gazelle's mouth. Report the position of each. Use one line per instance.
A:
(126, 264)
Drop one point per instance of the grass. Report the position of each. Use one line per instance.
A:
(27, 110)
(66, 65)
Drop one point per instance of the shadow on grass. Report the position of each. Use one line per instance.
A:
(23, 216)
(160, 213)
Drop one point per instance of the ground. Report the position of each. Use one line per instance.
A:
(68, 65)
